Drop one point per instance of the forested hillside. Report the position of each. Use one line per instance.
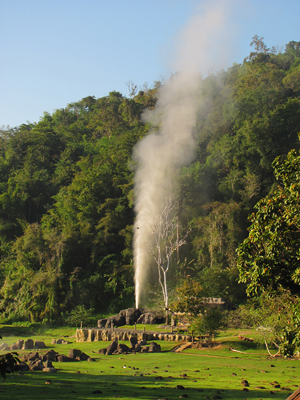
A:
(66, 189)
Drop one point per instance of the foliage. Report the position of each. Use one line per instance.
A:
(209, 322)
(268, 260)
(80, 316)
(277, 319)
(66, 192)
(188, 297)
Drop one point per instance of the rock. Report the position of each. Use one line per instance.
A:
(62, 341)
(28, 344)
(133, 341)
(74, 353)
(245, 382)
(83, 357)
(112, 347)
(101, 323)
(129, 317)
(53, 341)
(13, 347)
(21, 366)
(180, 387)
(154, 348)
(31, 356)
(4, 347)
(36, 365)
(97, 392)
(48, 364)
(123, 348)
(49, 369)
(63, 358)
(145, 349)
(102, 351)
(50, 355)
(138, 348)
(39, 345)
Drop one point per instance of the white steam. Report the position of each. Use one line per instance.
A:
(200, 48)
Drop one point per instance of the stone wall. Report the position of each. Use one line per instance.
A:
(106, 335)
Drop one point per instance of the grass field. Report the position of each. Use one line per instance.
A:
(202, 374)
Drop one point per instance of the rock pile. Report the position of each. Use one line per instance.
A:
(21, 345)
(138, 347)
(43, 362)
(130, 316)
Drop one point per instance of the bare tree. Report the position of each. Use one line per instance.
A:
(166, 240)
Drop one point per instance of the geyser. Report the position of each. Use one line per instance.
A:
(170, 145)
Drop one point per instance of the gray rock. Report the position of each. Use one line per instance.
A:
(133, 341)
(28, 344)
(50, 355)
(39, 345)
(154, 348)
(4, 347)
(112, 347)
(48, 364)
(49, 369)
(36, 365)
(73, 353)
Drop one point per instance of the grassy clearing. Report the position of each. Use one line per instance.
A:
(206, 373)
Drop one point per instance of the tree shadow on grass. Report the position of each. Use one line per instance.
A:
(83, 386)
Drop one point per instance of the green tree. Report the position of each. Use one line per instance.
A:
(268, 259)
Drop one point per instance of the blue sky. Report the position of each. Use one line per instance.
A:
(54, 52)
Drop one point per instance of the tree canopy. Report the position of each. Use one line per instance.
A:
(66, 193)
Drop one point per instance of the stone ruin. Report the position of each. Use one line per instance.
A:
(108, 328)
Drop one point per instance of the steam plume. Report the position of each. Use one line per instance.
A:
(200, 47)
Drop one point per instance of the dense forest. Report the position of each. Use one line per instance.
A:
(66, 189)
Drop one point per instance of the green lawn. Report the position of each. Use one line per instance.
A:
(204, 374)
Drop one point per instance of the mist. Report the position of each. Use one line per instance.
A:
(199, 49)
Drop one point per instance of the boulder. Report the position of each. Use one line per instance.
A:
(21, 366)
(63, 358)
(83, 357)
(73, 353)
(49, 369)
(50, 355)
(123, 348)
(4, 347)
(102, 351)
(48, 364)
(36, 365)
(150, 318)
(154, 348)
(31, 356)
(112, 347)
(17, 346)
(39, 345)
(133, 341)
(28, 344)
(101, 323)
(62, 341)
(145, 349)
(13, 347)
(138, 347)
(129, 317)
